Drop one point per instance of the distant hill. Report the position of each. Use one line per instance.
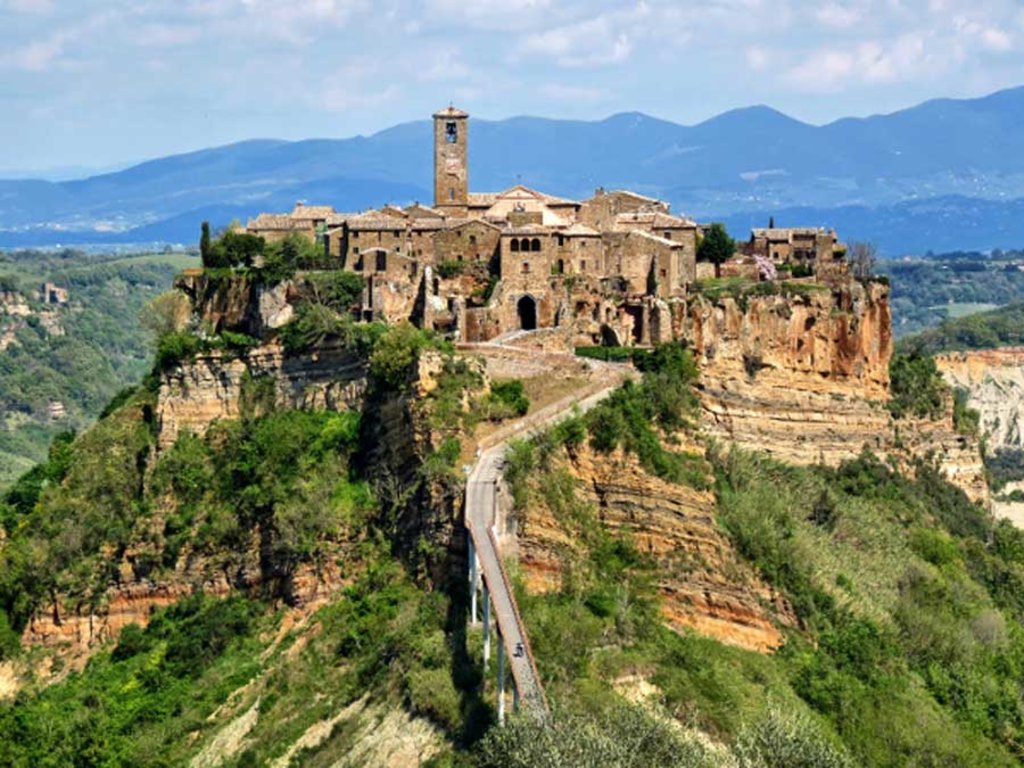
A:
(1003, 327)
(944, 174)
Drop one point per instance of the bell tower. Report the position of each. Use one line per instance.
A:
(451, 167)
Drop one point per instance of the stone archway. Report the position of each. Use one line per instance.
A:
(526, 309)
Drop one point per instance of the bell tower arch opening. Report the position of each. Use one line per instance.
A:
(526, 309)
(451, 158)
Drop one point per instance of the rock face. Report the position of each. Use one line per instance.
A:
(217, 385)
(78, 631)
(994, 381)
(703, 583)
(802, 377)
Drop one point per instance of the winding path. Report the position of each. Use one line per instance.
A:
(481, 506)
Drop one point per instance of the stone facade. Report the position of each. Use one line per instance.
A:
(487, 264)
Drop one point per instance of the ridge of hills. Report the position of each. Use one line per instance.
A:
(944, 174)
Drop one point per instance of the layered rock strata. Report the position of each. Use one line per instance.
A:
(217, 385)
(704, 584)
(801, 376)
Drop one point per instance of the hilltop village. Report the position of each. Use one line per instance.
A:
(479, 265)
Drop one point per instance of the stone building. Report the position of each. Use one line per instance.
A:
(486, 264)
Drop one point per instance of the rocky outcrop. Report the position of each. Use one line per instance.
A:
(238, 303)
(802, 376)
(217, 385)
(76, 631)
(704, 584)
(994, 382)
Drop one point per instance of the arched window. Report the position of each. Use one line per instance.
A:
(515, 245)
(535, 244)
(524, 244)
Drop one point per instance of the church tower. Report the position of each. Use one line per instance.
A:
(451, 167)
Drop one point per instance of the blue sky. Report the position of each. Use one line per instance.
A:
(93, 84)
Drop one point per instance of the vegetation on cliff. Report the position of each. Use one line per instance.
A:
(90, 349)
(907, 646)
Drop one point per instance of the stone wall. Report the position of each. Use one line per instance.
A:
(215, 386)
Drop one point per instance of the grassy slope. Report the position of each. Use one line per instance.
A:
(911, 651)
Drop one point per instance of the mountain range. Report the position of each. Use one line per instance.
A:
(944, 174)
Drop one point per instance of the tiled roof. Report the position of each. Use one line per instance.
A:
(451, 111)
(655, 238)
(303, 211)
(786, 233)
(580, 230)
(268, 221)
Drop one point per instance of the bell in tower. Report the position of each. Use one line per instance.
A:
(451, 169)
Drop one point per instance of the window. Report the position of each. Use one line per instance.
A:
(382, 261)
(524, 244)
(356, 250)
(664, 273)
(668, 235)
(583, 266)
(515, 245)
(472, 239)
(451, 132)
(355, 235)
(451, 193)
(526, 267)
(561, 241)
(460, 257)
(397, 233)
(535, 244)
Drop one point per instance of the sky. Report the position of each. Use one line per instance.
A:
(91, 84)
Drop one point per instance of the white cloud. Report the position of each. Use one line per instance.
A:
(506, 15)
(587, 44)
(757, 57)
(838, 16)
(573, 93)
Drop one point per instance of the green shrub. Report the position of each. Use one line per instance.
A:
(446, 270)
(507, 399)
(789, 740)
(175, 348)
(916, 387)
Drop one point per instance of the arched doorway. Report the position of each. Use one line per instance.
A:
(526, 308)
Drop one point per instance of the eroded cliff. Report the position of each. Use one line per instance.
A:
(802, 376)
(703, 583)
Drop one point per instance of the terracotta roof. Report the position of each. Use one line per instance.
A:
(654, 219)
(786, 233)
(655, 238)
(303, 211)
(580, 230)
(459, 223)
(417, 211)
(482, 199)
(267, 221)
(375, 220)
(634, 195)
(451, 111)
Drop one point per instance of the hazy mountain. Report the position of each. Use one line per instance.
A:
(944, 174)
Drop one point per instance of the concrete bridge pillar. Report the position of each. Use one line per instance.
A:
(501, 680)
(487, 628)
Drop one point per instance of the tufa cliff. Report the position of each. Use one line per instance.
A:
(801, 376)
